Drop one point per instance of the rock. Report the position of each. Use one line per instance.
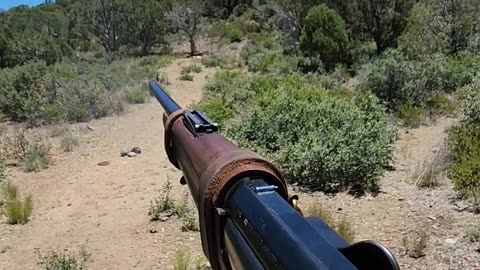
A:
(136, 150)
(131, 154)
(124, 153)
(90, 128)
(451, 241)
(153, 231)
(69, 204)
(104, 163)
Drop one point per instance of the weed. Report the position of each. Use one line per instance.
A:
(186, 77)
(427, 173)
(345, 229)
(36, 158)
(136, 96)
(442, 105)
(192, 68)
(3, 176)
(9, 191)
(182, 208)
(473, 233)
(18, 211)
(415, 245)
(189, 221)
(411, 116)
(341, 225)
(15, 146)
(182, 260)
(58, 131)
(162, 204)
(63, 261)
(69, 142)
(162, 78)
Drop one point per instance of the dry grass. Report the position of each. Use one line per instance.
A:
(340, 224)
(415, 245)
(69, 142)
(58, 131)
(429, 172)
(15, 146)
(182, 260)
(473, 233)
(17, 211)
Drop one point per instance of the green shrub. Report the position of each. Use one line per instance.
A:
(182, 260)
(211, 61)
(324, 35)
(52, 113)
(21, 92)
(411, 116)
(16, 210)
(318, 140)
(3, 176)
(54, 260)
(441, 104)
(460, 70)
(163, 204)
(136, 95)
(186, 77)
(470, 101)
(464, 142)
(398, 81)
(216, 110)
(233, 33)
(36, 158)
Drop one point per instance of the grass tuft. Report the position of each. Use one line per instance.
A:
(416, 244)
(341, 225)
(182, 260)
(427, 173)
(36, 158)
(17, 210)
(69, 142)
(186, 77)
(54, 260)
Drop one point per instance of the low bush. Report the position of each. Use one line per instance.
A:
(54, 260)
(69, 142)
(186, 77)
(319, 140)
(163, 204)
(16, 210)
(460, 70)
(464, 142)
(36, 158)
(398, 81)
(441, 104)
(216, 110)
(411, 116)
(137, 95)
(470, 101)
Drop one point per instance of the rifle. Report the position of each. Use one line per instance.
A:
(247, 220)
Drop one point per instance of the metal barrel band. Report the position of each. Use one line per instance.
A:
(171, 119)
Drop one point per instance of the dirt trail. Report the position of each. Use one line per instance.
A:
(79, 203)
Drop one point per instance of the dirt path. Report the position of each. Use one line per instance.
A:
(79, 203)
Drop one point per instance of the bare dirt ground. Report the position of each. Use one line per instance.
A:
(104, 208)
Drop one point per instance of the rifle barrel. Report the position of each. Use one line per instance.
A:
(168, 104)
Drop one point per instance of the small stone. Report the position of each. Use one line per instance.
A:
(69, 204)
(153, 231)
(90, 128)
(123, 153)
(136, 150)
(451, 241)
(132, 154)
(104, 163)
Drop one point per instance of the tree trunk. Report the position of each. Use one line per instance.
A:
(193, 46)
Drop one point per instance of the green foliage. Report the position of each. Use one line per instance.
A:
(192, 68)
(464, 142)
(343, 143)
(445, 26)
(441, 104)
(16, 210)
(216, 110)
(411, 116)
(470, 101)
(3, 176)
(21, 92)
(182, 260)
(137, 95)
(36, 158)
(398, 81)
(324, 35)
(186, 77)
(473, 233)
(54, 260)
(460, 70)
(162, 204)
